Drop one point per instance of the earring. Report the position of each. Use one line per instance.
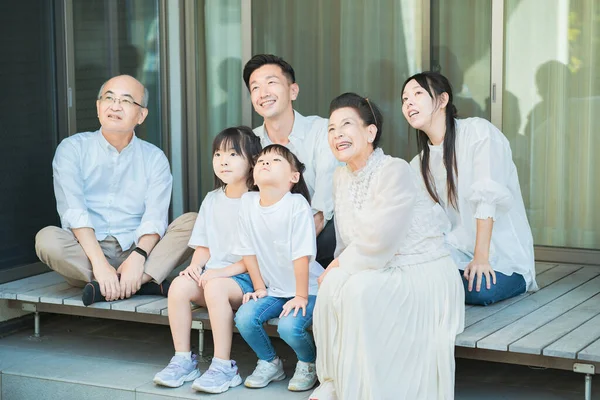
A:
(370, 140)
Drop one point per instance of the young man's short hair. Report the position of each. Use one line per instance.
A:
(264, 59)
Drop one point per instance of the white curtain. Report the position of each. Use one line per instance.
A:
(460, 40)
(219, 77)
(338, 46)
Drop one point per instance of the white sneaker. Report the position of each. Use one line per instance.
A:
(265, 373)
(304, 378)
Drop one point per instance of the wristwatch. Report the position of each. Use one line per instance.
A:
(142, 252)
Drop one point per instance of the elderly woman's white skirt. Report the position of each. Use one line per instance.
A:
(390, 333)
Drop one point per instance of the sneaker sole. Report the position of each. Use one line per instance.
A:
(178, 383)
(296, 388)
(275, 379)
(236, 381)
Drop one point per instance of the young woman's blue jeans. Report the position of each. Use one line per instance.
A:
(506, 286)
(251, 316)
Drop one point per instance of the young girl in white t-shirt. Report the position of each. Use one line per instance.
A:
(216, 278)
(278, 245)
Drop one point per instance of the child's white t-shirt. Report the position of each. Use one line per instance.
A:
(216, 228)
(278, 235)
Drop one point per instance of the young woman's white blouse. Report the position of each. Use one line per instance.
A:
(488, 187)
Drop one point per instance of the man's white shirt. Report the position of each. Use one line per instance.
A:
(125, 195)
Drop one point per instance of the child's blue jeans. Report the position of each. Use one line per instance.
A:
(251, 316)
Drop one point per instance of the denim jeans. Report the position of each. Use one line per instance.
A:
(251, 316)
(506, 286)
(244, 282)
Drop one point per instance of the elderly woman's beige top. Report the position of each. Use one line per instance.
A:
(383, 218)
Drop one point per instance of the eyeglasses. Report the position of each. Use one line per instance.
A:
(123, 102)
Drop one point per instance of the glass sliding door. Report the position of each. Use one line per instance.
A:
(218, 97)
(116, 37)
(28, 128)
(460, 49)
(552, 68)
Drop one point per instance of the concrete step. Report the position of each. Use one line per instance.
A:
(85, 358)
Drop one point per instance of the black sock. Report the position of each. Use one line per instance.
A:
(155, 289)
(92, 294)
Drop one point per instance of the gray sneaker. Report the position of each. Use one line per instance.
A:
(179, 371)
(265, 373)
(218, 378)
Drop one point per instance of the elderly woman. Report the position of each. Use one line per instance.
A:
(391, 303)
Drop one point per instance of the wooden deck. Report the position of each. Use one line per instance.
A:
(557, 326)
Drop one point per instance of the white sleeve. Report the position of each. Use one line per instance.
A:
(381, 230)
(491, 169)
(243, 245)
(68, 187)
(303, 240)
(325, 166)
(199, 235)
(158, 197)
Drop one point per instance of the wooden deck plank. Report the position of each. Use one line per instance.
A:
(508, 315)
(591, 352)
(60, 296)
(569, 345)
(541, 267)
(200, 313)
(35, 294)
(165, 311)
(501, 339)
(132, 303)
(535, 342)
(76, 301)
(545, 278)
(153, 308)
(10, 290)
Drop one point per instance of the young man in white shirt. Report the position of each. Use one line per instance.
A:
(272, 85)
(112, 193)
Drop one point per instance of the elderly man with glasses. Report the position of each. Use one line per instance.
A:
(112, 194)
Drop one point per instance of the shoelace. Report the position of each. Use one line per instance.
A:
(302, 369)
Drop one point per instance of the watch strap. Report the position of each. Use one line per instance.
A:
(142, 252)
